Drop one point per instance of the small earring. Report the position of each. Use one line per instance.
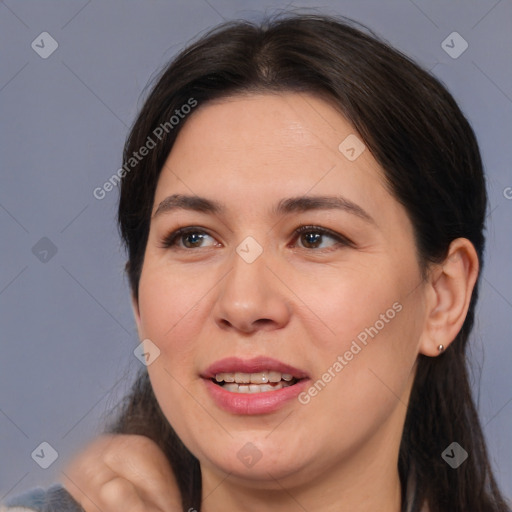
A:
(440, 348)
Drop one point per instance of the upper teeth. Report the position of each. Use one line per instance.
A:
(253, 378)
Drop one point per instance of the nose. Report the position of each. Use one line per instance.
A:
(251, 298)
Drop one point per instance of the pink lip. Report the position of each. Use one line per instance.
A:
(253, 403)
(255, 365)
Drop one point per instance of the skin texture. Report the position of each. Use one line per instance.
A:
(299, 303)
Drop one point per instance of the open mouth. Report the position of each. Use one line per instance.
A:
(261, 382)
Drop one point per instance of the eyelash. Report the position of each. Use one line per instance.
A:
(169, 241)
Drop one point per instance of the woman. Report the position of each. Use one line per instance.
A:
(303, 210)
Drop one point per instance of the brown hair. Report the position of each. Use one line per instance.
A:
(432, 165)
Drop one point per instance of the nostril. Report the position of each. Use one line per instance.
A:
(264, 321)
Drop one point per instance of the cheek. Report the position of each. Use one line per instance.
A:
(351, 304)
(365, 370)
(171, 305)
(366, 345)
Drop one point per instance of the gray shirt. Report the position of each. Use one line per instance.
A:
(53, 499)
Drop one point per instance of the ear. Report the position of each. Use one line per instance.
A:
(449, 292)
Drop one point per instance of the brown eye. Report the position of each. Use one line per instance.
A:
(311, 240)
(191, 240)
(314, 237)
(188, 238)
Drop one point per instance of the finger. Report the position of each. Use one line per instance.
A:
(87, 473)
(120, 495)
(138, 460)
(142, 462)
(115, 495)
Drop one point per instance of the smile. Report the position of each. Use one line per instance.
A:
(261, 382)
(260, 385)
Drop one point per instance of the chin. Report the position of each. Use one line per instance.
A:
(259, 463)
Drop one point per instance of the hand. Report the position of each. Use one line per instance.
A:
(123, 473)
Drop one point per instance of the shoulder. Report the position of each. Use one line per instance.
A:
(53, 499)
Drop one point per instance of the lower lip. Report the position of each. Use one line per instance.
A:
(254, 403)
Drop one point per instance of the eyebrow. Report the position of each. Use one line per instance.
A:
(193, 203)
(303, 204)
(285, 206)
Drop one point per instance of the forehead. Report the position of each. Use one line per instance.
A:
(263, 147)
(265, 126)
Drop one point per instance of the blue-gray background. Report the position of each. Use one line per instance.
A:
(67, 333)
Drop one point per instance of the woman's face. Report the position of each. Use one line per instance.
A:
(241, 295)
